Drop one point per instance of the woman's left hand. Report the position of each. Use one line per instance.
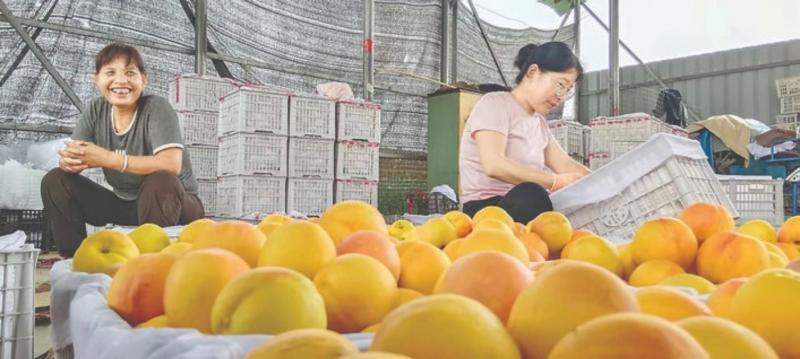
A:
(94, 155)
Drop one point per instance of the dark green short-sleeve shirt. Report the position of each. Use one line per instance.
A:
(154, 128)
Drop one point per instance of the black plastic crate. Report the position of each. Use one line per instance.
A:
(33, 223)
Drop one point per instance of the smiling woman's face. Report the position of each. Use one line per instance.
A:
(120, 82)
(545, 91)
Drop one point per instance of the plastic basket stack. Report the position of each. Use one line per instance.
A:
(572, 136)
(196, 99)
(789, 97)
(252, 158)
(311, 170)
(358, 136)
(614, 136)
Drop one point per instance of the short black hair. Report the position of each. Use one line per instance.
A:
(115, 50)
(553, 56)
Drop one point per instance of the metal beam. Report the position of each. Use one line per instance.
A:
(627, 49)
(101, 35)
(647, 68)
(25, 49)
(41, 56)
(696, 76)
(576, 30)
(560, 26)
(368, 48)
(200, 37)
(261, 64)
(454, 34)
(35, 128)
(220, 66)
(486, 39)
(444, 60)
(613, 58)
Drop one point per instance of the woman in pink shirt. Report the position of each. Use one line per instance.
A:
(508, 157)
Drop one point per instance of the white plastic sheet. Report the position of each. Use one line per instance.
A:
(80, 316)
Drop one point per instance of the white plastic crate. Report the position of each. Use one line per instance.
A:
(309, 196)
(357, 160)
(358, 121)
(207, 192)
(311, 116)
(619, 148)
(598, 159)
(657, 179)
(254, 110)
(790, 119)
(790, 104)
(788, 86)
(250, 196)
(204, 161)
(361, 190)
(311, 157)
(630, 127)
(17, 279)
(569, 135)
(755, 197)
(198, 93)
(252, 153)
(198, 128)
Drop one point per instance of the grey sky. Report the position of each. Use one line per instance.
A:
(661, 29)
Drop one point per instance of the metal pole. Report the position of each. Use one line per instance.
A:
(445, 45)
(200, 37)
(635, 57)
(220, 66)
(560, 26)
(41, 56)
(613, 57)
(486, 39)
(368, 47)
(576, 30)
(454, 35)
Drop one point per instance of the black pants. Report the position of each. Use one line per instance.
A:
(72, 200)
(523, 202)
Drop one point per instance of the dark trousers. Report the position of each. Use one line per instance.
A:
(523, 202)
(72, 200)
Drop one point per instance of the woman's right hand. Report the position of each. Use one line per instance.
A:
(68, 160)
(561, 180)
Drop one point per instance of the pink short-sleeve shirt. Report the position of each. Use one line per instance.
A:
(527, 136)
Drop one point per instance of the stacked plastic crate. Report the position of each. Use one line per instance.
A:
(613, 136)
(311, 170)
(252, 157)
(358, 137)
(196, 99)
(789, 95)
(572, 136)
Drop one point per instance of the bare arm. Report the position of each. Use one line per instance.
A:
(169, 160)
(91, 155)
(560, 162)
(492, 148)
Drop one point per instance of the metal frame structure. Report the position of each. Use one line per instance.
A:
(204, 50)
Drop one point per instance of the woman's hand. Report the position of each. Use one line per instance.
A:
(561, 180)
(93, 155)
(69, 159)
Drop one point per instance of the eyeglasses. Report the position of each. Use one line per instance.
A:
(563, 91)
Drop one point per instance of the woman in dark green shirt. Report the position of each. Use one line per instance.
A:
(136, 139)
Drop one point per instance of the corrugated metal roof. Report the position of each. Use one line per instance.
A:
(740, 82)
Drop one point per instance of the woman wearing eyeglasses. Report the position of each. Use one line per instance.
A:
(508, 158)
